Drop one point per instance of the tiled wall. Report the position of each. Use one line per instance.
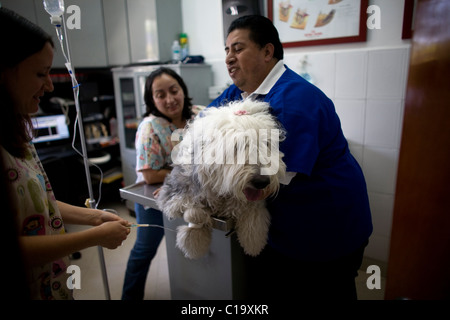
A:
(368, 88)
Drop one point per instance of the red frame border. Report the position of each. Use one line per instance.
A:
(359, 38)
(408, 14)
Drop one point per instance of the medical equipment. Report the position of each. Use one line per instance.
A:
(137, 225)
(55, 9)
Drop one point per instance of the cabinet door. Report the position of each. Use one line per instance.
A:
(198, 79)
(143, 26)
(419, 261)
(116, 31)
(87, 44)
(153, 25)
(127, 112)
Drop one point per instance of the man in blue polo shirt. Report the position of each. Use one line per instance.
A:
(321, 219)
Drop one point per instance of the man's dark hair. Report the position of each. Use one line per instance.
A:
(262, 32)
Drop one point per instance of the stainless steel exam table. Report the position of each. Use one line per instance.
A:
(218, 275)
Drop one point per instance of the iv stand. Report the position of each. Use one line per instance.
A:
(85, 158)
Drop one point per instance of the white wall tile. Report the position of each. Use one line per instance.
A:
(220, 73)
(352, 115)
(386, 75)
(378, 248)
(351, 75)
(400, 122)
(380, 169)
(368, 89)
(357, 151)
(321, 67)
(382, 123)
(382, 207)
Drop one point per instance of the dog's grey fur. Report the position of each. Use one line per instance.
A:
(197, 190)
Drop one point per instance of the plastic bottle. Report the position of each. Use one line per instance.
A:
(55, 9)
(304, 70)
(176, 51)
(113, 127)
(184, 44)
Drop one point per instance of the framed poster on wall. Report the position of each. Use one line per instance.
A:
(317, 22)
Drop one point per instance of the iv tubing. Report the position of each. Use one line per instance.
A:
(75, 87)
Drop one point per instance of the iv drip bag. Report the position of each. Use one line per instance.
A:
(55, 9)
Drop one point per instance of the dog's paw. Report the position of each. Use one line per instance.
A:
(252, 246)
(252, 230)
(171, 207)
(194, 242)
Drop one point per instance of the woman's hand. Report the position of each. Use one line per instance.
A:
(38, 250)
(111, 234)
(156, 192)
(155, 176)
(102, 216)
(86, 216)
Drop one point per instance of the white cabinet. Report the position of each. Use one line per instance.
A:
(87, 44)
(116, 32)
(144, 39)
(141, 30)
(112, 32)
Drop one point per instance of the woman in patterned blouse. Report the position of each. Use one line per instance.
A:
(169, 107)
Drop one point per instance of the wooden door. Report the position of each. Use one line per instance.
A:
(419, 261)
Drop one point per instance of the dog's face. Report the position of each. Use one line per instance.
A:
(233, 151)
(244, 182)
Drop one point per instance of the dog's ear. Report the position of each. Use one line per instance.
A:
(195, 177)
(279, 125)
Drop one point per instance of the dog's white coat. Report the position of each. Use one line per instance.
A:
(223, 151)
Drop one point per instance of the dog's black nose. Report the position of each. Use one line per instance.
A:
(260, 182)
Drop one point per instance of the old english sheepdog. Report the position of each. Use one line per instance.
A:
(227, 162)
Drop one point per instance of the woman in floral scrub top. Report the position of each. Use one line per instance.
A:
(44, 245)
(39, 213)
(168, 108)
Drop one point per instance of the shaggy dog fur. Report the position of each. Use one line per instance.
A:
(228, 157)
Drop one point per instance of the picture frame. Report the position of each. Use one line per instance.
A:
(408, 19)
(307, 23)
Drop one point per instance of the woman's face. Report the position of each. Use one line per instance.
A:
(29, 80)
(168, 96)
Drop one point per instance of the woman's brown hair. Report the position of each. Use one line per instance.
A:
(21, 39)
